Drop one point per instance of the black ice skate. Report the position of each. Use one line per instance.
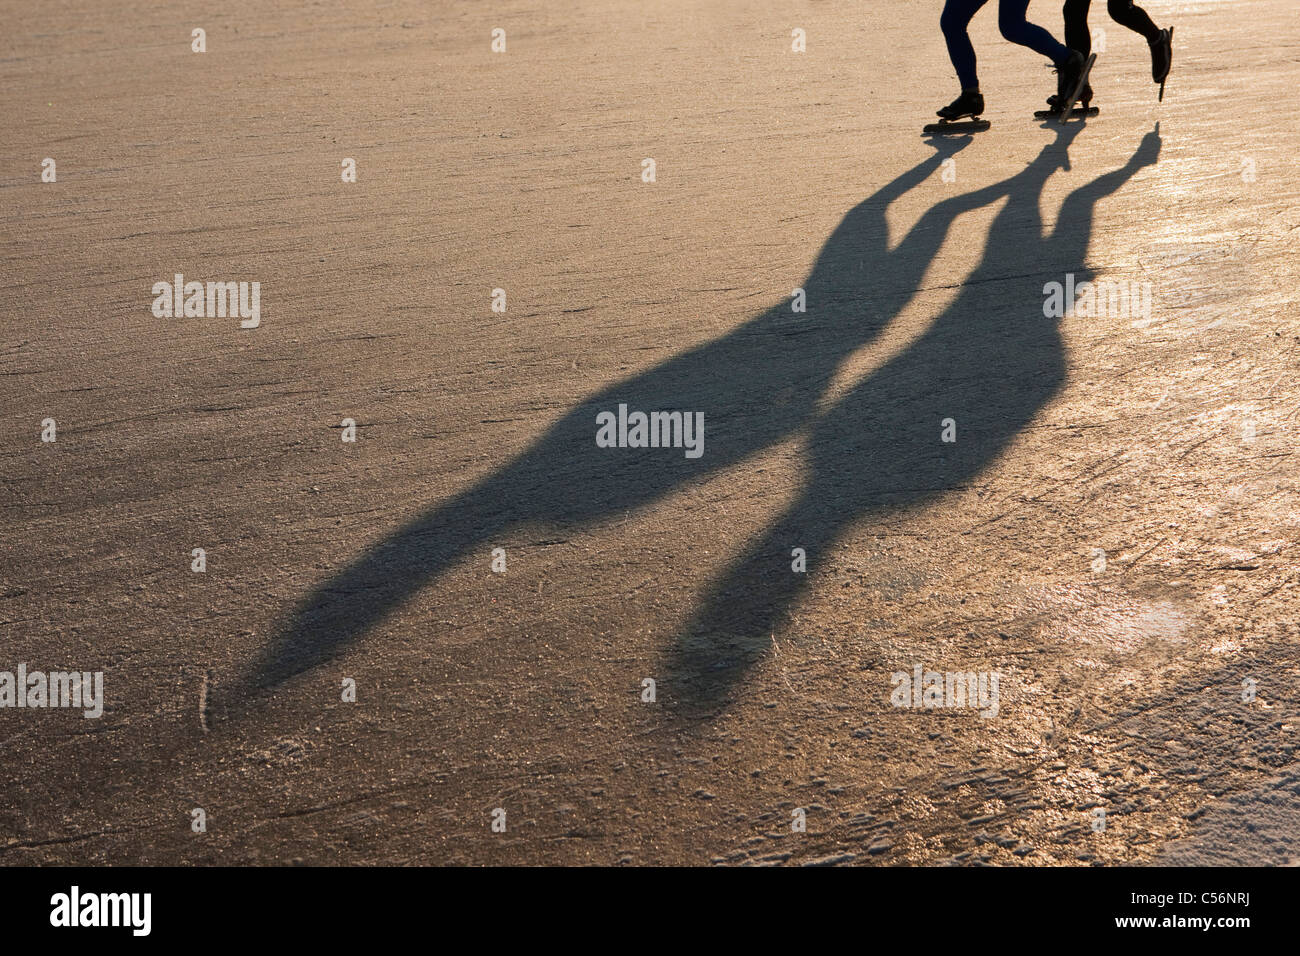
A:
(1162, 58)
(967, 107)
(1084, 108)
(1070, 81)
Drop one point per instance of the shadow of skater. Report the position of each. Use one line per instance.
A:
(756, 385)
(991, 361)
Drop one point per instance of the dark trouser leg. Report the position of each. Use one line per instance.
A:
(1077, 35)
(1014, 27)
(1135, 18)
(953, 21)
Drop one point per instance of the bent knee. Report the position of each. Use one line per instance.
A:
(955, 17)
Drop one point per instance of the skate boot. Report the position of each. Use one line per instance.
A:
(1067, 77)
(1085, 99)
(970, 103)
(1162, 55)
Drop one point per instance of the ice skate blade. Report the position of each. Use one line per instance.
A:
(1077, 112)
(945, 127)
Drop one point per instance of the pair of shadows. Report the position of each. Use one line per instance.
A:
(990, 360)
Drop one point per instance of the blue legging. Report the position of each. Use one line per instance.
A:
(1011, 21)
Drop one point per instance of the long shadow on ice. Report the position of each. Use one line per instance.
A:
(990, 361)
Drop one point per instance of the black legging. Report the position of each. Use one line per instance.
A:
(1012, 22)
(1077, 35)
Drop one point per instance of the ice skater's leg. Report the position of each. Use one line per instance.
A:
(953, 21)
(1077, 35)
(1069, 63)
(1125, 13)
(1014, 27)
(1078, 38)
